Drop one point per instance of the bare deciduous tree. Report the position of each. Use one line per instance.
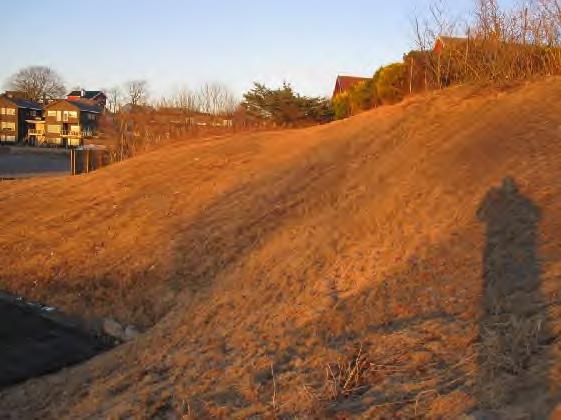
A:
(187, 100)
(114, 98)
(216, 99)
(436, 22)
(38, 83)
(137, 91)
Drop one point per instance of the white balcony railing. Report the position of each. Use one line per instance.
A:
(70, 133)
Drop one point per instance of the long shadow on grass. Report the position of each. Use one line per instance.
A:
(411, 333)
(513, 328)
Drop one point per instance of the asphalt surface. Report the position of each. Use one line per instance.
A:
(36, 340)
(27, 162)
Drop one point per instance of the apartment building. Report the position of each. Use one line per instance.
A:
(15, 114)
(68, 122)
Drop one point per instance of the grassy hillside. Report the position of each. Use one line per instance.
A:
(376, 266)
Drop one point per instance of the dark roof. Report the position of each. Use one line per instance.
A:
(23, 103)
(344, 83)
(88, 94)
(81, 104)
(86, 105)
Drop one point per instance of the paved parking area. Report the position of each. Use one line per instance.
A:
(19, 162)
(36, 340)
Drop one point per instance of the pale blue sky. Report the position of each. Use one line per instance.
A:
(174, 43)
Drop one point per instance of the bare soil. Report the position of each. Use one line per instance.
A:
(402, 263)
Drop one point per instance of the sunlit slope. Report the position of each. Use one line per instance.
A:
(341, 268)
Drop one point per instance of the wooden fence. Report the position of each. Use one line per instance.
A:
(87, 159)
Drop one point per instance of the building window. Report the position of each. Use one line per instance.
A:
(2, 111)
(91, 117)
(33, 113)
(51, 113)
(8, 126)
(55, 129)
(73, 114)
(10, 111)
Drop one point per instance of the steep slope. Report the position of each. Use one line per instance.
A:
(379, 266)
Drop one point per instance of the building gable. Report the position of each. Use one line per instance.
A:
(62, 105)
(345, 83)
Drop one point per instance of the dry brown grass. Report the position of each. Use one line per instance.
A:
(294, 249)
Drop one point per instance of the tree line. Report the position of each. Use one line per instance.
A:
(280, 107)
(491, 43)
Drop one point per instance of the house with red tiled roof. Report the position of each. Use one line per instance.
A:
(345, 83)
(449, 43)
(96, 96)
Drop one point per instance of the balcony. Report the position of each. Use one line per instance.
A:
(70, 133)
(33, 132)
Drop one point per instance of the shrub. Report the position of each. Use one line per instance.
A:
(360, 97)
(285, 107)
(390, 83)
(342, 106)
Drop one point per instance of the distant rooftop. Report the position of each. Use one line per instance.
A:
(85, 94)
(344, 83)
(81, 104)
(22, 102)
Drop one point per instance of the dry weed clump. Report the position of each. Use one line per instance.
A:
(508, 344)
(345, 379)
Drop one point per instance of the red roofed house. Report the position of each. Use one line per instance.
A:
(96, 96)
(449, 43)
(345, 83)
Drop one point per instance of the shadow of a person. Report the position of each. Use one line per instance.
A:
(512, 357)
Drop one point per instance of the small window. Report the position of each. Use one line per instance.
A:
(10, 111)
(51, 113)
(8, 126)
(53, 129)
(2, 111)
(73, 114)
(33, 113)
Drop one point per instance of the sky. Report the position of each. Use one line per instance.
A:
(184, 43)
